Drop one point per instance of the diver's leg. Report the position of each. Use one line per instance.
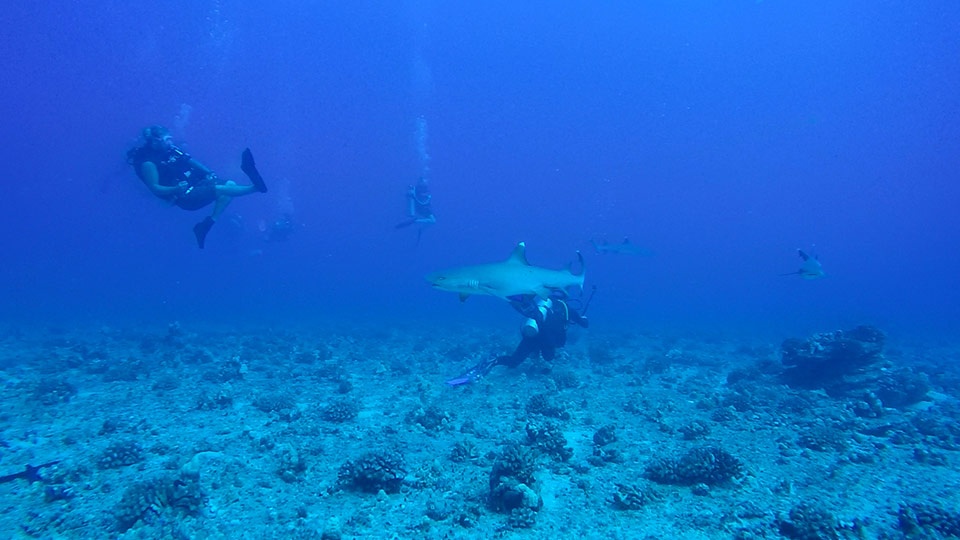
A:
(232, 189)
(220, 205)
(522, 352)
(201, 229)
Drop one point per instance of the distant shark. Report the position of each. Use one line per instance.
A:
(512, 277)
(626, 248)
(810, 269)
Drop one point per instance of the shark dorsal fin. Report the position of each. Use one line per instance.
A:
(626, 241)
(519, 255)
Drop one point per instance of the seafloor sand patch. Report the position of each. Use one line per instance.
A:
(176, 433)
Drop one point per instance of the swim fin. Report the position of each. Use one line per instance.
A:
(250, 169)
(405, 223)
(201, 229)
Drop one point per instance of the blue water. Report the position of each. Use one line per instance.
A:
(721, 136)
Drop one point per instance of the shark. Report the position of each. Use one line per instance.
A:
(626, 248)
(809, 269)
(512, 277)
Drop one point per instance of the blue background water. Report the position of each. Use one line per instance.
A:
(720, 135)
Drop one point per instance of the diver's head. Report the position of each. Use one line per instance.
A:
(157, 137)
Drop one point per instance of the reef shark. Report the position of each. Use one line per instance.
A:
(512, 277)
(626, 247)
(810, 269)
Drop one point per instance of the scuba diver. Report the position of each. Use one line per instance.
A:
(419, 209)
(173, 175)
(543, 332)
(279, 229)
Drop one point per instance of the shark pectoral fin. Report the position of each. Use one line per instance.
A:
(463, 297)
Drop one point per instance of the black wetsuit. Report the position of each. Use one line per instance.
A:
(421, 202)
(175, 166)
(552, 332)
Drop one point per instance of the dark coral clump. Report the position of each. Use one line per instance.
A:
(823, 438)
(940, 428)
(225, 371)
(274, 402)
(809, 522)
(694, 430)
(463, 451)
(605, 435)
(149, 499)
(432, 418)
(374, 471)
(545, 405)
(515, 461)
(522, 517)
(222, 399)
(512, 485)
(549, 439)
(566, 379)
(54, 390)
(128, 370)
(632, 496)
(902, 388)
(704, 465)
(120, 454)
(340, 411)
(924, 520)
(824, 360)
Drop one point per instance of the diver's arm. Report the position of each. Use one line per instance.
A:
(577, 318)
(151, 177)
(194, 164)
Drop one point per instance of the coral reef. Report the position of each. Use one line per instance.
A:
(147, 500)
(120, 454)
(431, 419)
(372, 472)
(546, 405)
(340, 411)
(548, 438)
(633, 496)
(925, 520)
(274, 402)
(512, 484)
(839, 362)
(704, 465)
(808, 522)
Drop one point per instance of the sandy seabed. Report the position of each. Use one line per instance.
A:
(178, 432)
